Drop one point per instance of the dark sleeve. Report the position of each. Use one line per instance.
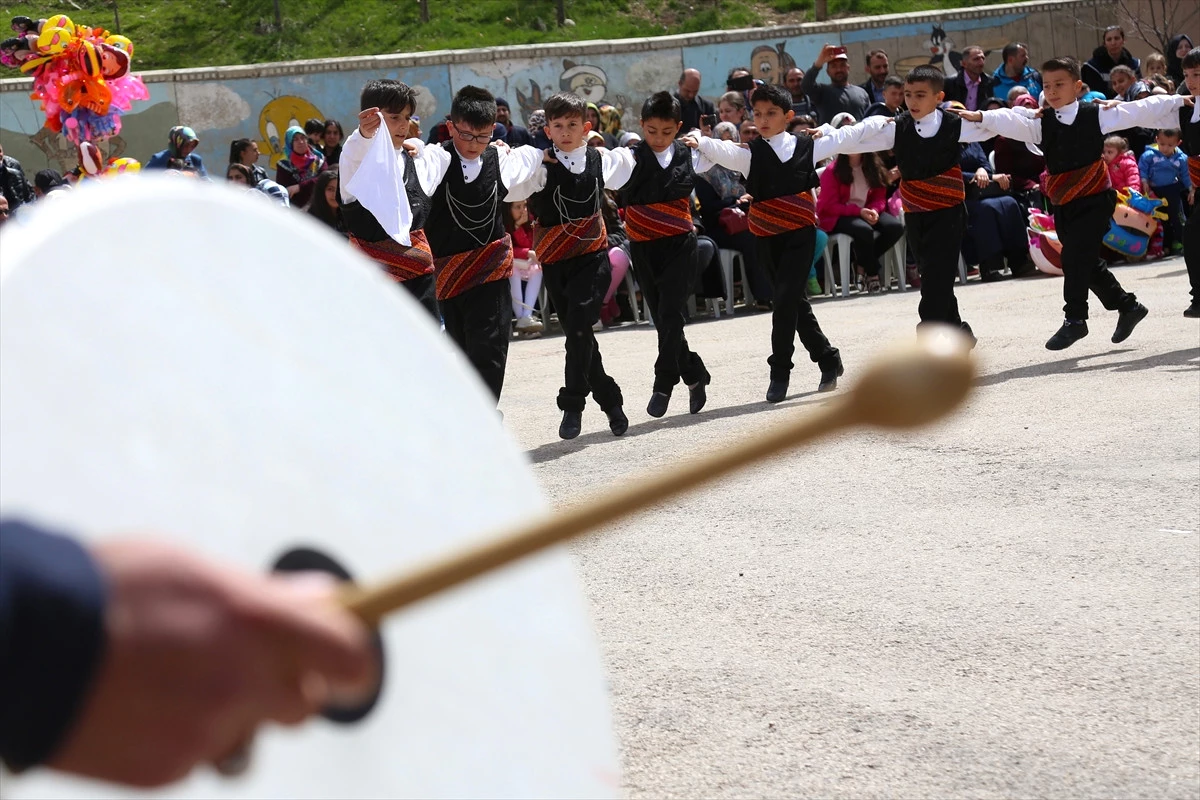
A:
(51, 639)
(285, 176)
(710, 204)
(812, 90)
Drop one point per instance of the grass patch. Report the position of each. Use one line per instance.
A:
(172, 34)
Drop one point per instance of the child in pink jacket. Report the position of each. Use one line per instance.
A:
(1122, 166)
(852, 200)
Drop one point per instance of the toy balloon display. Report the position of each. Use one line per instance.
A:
(80, 75)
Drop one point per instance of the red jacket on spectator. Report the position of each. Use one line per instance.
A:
(522, 241)
(834, 200)
(1123, 172)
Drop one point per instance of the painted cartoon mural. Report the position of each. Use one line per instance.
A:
(263, 107)
(276, 117)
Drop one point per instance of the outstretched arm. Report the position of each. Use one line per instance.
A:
(869, 136)
(716, 151)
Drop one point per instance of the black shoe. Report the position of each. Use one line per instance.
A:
(1067, 335)
(658, 404)
(1192, 311)
(777, 390)
(697, 397)
(992, 277)
(618, 423)
(1127, 321)
(571, 425)
(970, 333)
(829, 377)
(1020, 265)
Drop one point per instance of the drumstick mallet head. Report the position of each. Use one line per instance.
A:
(906, 387)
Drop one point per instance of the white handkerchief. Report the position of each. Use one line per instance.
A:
(379, 186)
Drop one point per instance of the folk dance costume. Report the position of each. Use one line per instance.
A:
(780, 175)
(1189, 125)
(570, 240)
(407, 257)
(1072, 139)
(662, 240)
(473, 256)
(932, 193)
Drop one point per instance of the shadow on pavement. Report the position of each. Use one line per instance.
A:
(676, 418)
(1180, 358)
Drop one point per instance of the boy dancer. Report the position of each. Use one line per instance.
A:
(1071, 135)
(662, 239)
(780, 170)
(570, 240)
(405, 256)
(472, 253)
(925, 141)
(1189, 124)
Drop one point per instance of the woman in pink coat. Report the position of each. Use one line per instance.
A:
(852, 198)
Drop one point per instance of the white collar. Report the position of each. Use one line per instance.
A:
(1067, 113)
(778, 138)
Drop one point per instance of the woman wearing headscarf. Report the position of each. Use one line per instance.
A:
(1177, 48)
(1111, 53)
(297, 171)
(592, 115)
(181, 142)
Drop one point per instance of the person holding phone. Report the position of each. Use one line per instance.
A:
(839, 94)
(693, 106)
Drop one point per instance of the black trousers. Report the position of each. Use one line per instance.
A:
(666, 271)
(1191, 251)
(479, 321)
(577, 286)
(1081, 226)
(867, 248)
(424, 289)
(936, 241)
(788, 258)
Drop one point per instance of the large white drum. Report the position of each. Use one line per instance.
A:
(195, 362)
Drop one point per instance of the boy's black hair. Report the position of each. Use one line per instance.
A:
(474, 106)
(314, 126)
(564, 104)
(389, 96)
(1174, 133)
(775, 95)
(662, 105)
(893, 80)
(927, 74)
(1192, 59)
(1065, 64)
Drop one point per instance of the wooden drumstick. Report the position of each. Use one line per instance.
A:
(909, 386)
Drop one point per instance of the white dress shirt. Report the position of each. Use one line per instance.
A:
(1156, 111)
(517, 165)
(616, 166)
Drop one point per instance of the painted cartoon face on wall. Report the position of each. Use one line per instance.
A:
(769, 64)
(279, 115)
(587, 81)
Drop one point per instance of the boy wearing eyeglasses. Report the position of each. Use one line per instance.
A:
(473, 257)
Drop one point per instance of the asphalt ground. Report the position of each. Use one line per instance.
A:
(1005, 605)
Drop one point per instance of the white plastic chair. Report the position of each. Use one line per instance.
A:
(729, 259)
(894, 264)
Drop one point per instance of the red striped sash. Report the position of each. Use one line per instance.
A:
(778, 215)
(658, 220)
(571, 239)
(932, 194)
(462, 271)
(1194, 172)
(1083, 182)
(403, 263)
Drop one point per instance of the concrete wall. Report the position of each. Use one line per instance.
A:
(261, 101)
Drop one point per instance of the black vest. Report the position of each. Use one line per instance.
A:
(1069, 147)
(361, 224)
(579, 194)
(1190, 131)
(471, 213)
(920, 159)
(652, 183)
(770, 178)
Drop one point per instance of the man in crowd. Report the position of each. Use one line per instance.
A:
(690, 102)
(1014, 70)
(893, 98)
(877, 72)
(971, 86)
(800, 104)
(839, 95)
(14, 187)
(515, 135)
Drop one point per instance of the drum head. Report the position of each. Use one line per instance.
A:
(198, 363)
